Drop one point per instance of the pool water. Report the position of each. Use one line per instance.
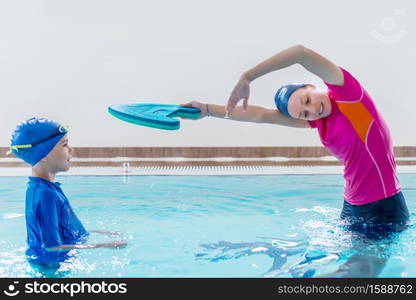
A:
(212, 226)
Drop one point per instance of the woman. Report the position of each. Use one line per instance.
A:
(349, 126)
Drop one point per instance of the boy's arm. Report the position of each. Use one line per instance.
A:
(257, 114)
(66, 247)
(106, 232)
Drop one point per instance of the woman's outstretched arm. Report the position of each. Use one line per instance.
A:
(254, 114)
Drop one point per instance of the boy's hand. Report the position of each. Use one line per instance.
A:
(115, 244)
(202, 107)
(114, 233)
(240, 91)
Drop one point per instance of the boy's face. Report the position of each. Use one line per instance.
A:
(58, 159)
(309, 103)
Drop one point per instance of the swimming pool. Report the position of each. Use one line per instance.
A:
(209, 226)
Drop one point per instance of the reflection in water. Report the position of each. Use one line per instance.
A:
(278, 250)
(326, 253)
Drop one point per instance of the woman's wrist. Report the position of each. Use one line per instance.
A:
(247, 77)
(207, 112)
(213, 110)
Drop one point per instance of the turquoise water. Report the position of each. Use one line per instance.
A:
(212, 226)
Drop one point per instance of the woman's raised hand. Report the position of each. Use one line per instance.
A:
(240, 91)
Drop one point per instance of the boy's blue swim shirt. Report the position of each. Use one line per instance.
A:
(50, 221)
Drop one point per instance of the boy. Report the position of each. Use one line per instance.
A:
(53, 229)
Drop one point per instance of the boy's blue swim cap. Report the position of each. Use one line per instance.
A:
(33, 139)
(283, 94)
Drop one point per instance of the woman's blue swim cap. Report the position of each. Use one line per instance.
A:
(33, 139)
(283, 94)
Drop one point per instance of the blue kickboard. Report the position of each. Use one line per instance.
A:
(161, 116)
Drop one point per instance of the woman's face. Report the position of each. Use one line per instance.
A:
(309, 103)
